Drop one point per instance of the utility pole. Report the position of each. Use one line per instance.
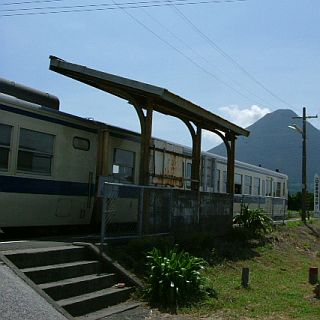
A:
(304, 161)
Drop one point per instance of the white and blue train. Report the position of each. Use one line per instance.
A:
(50, 163)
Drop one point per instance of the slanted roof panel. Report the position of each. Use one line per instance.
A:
(163, 100)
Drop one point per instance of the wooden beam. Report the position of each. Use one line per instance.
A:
(196, 158)
(146, 131)
(231, 163)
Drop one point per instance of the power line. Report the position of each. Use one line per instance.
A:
(183, 54)
(142, 4)
(48, 1)
(228, 57)
(104, 6)
(28, 2)
(202, 57)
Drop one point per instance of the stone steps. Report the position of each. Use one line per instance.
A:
(75, 279)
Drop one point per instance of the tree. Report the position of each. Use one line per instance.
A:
(294, 201)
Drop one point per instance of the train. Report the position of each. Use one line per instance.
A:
(51, 161)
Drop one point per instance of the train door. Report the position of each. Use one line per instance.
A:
(187, 168)
(207, 173)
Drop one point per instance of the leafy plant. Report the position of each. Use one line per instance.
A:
(174, 279)
(255, 220)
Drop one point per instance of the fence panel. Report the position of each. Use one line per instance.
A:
(130, 210)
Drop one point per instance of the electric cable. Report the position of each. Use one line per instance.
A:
(231, 59)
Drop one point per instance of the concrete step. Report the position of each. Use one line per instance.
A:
(116, 309)
(77, 286)
(56, 272)
(46, 256)
(90, 302)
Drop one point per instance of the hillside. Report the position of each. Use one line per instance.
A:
(273, 145)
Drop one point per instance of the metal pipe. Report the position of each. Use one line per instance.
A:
(28, 94)
(304, 166)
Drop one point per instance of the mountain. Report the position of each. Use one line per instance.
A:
(273, 145)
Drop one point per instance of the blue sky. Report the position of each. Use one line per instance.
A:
(277, 42)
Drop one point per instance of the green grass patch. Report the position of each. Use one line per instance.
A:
(279, 287)
(278, 263)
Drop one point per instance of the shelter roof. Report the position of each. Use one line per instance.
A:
(145, 94)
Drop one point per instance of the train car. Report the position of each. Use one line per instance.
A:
(51, 161)
(255, 186)
(47, 165)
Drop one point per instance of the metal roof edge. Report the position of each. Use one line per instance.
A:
(56, 62)
(211, 116)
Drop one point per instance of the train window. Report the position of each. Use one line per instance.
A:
(188, 175)
(247, 185)
(5, 138)
(218, 178)
(263, 191)
(238, 183)
(278, 189)
(203, 170)
(209, 173)
(284, 189)
(269, 187)
(35, 151)
(256, 186)
(123, 162)
(81, 143)
(224, 186)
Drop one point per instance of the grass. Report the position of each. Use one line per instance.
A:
(279, 287)
(279, 266)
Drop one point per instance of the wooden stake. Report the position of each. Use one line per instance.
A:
(313, 275)
(245, 277)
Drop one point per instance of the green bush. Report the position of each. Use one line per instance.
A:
(174, 279)
(256, 221)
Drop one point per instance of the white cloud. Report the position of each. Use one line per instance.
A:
(243, 117)
(211, 138)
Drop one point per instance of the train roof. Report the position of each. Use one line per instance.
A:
(25, 93)
(250, 166)
(48, 112)
(258, 169)
(121, 132)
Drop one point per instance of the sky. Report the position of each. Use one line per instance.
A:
(239, 59)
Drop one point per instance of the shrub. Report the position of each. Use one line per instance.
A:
(174, 279)
(255, 221)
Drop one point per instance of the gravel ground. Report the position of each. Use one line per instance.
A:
(18, 301)
(145, 313)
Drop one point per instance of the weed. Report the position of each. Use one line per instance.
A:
(254, 221)
(174, 278)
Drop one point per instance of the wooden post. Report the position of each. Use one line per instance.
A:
(145, 148)
(146, 131)
(245, 277)
(317, 291)
(313, 275)
(231, 164)
(196, 158)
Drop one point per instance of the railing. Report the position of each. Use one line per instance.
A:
(275, 207)
(136, 211)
